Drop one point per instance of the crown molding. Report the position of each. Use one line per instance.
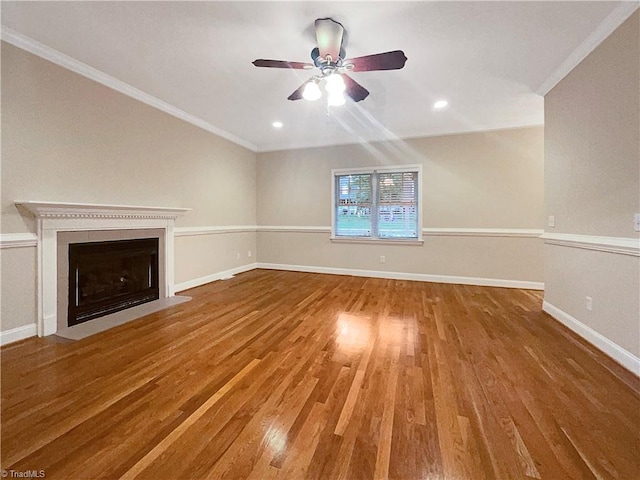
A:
(619, 245)
(588, 45)
(43, 51)
(92, 210)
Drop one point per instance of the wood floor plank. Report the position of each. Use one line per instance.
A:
(194, 417)
(290, 376)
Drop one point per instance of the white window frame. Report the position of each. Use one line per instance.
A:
(375, 170)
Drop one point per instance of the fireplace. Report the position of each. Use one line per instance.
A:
(106, 277)
(61, 224)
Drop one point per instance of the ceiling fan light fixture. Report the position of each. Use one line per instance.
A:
(335, 84)
(336, 99)
(311, 91)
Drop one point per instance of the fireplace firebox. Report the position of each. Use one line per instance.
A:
(106, 277)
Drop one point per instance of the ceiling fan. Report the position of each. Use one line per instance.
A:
(329, 58)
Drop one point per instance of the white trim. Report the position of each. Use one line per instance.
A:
(419, 277)
(18, 333)
(18, 240)
(379, 169)
(294, 229)
(619, 245)
(615, 351)
(43, 51)
(616, 18)
(196, 282)
(192, 231)
(378, 241)
(93, 210)
(484, 232)
(457, 232)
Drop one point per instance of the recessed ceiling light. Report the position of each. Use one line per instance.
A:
(440, 104)
(277, 124)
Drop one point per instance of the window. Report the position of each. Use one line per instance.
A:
(382, 204)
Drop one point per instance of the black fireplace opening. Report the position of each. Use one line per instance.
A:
(106, 277)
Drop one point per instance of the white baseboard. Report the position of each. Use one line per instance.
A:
(615, 351)
(19, 333)
(196, 282)
(420, 277)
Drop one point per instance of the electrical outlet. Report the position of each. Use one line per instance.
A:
(383, 259)
(589, 303)
(238, 255)
(249, 253)
(636, 222)
(552, 221)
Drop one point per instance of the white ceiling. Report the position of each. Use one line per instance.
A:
(488, 59)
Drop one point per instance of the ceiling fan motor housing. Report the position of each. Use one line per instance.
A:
(319, 62)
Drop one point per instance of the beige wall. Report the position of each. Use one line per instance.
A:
(477, 180)
(70, 139)
(592, 186)
(200, 255)
(514, 259)
(591, 140)
(18, 271)
(490, 179)
(66, 138)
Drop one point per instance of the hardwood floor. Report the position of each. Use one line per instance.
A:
(284, 375)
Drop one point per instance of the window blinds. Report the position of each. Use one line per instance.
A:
(377, 205)
(397, 205)
(353, 205)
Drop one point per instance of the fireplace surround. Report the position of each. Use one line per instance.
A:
(64, 223)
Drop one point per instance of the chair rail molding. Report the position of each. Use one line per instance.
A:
(619, 245)
(213, 230)
(18, 240)
(430, 231)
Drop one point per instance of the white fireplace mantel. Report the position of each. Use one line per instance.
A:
(54, 217)
(93, 210)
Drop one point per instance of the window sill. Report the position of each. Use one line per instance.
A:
(378, 241)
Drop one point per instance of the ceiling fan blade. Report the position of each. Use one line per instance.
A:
(354, 90)
(394, 60)
(297, 95)
(329, 36)
(282, 64)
